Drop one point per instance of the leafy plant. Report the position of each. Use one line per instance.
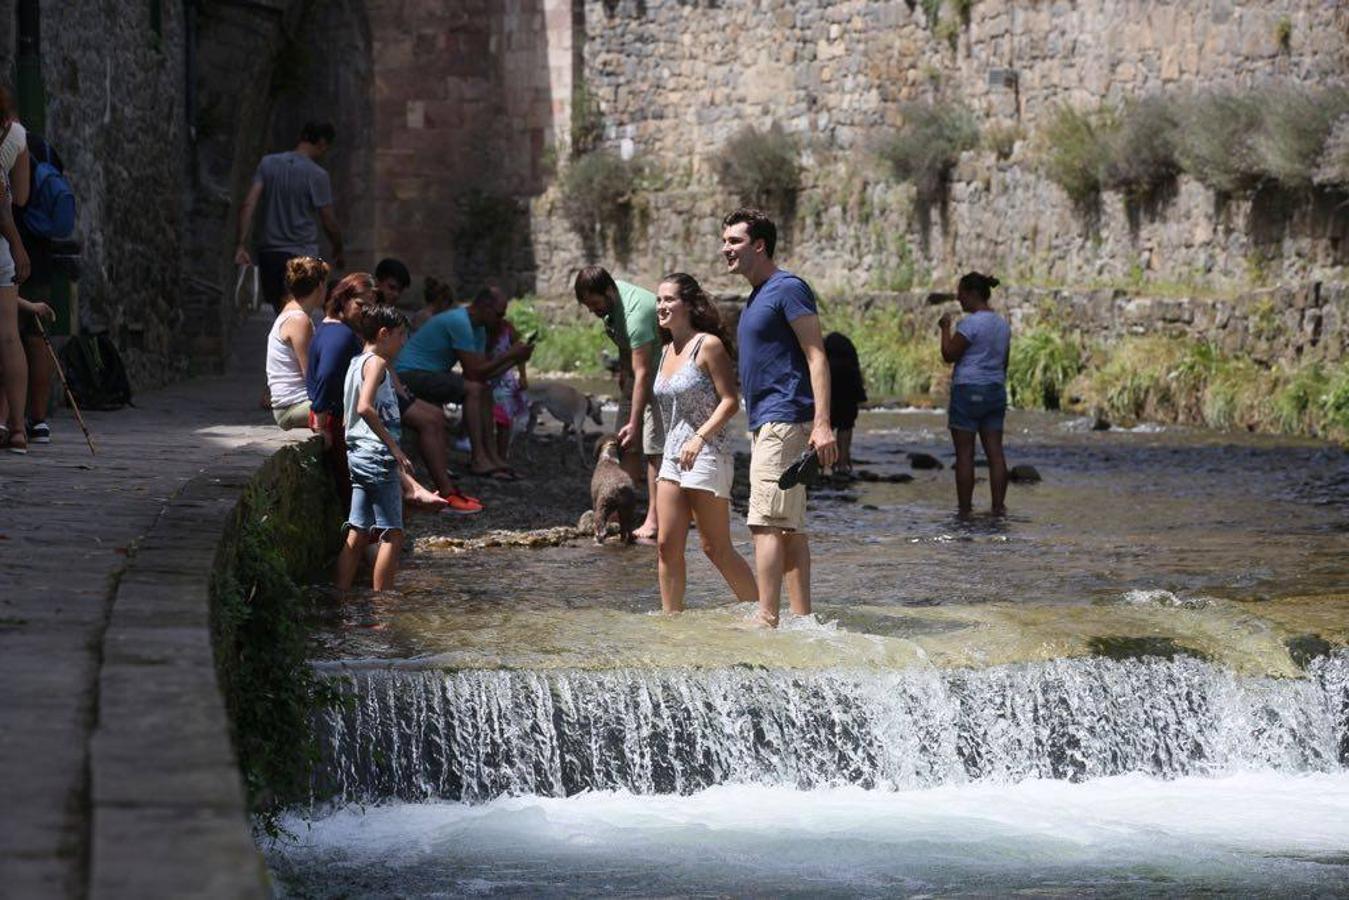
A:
(596, 191)
(1043, 361)
(1076, 147)
(1141, 148)
(1001, 139)
(1294, 127)
(573, 347)
(948, 30)
(761, 167)
(928, 145)
(1215, 144)
(587, 121)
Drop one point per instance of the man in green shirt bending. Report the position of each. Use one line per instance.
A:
(629, 315)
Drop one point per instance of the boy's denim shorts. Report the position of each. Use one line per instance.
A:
(977, 407)
(376, 509)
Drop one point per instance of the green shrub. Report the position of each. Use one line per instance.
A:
(1043, 361)
(1295, 124)
(948, 31)
(1215, 146)
(1001, 139)
(587, 121)
(1141, 149)
(898, 359)
(1335, 403)
(1299, 402)
(761, 167)
(596, 191)
(572, 347)
(1334, 167)
(928, 145)
(1076, 149)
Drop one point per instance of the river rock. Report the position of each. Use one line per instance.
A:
(1024, 474)
(1100, 423)
(924, 461)
(586, 524)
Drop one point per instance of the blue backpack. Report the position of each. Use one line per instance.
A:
(50, 212)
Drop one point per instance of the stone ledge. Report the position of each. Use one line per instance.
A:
(169, 813)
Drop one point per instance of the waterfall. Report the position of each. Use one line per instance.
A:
(473, 735)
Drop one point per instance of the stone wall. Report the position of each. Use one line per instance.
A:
(675, 80)
(465, 113)
(116, 114)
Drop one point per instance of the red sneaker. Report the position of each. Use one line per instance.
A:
(460, 504)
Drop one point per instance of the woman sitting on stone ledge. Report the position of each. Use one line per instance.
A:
(288, 341)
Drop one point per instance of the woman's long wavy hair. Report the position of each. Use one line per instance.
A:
(703, 313)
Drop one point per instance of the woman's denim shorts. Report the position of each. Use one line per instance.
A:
(977, 407)
(377, 509)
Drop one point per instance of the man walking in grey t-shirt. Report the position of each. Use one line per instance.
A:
(290, 188)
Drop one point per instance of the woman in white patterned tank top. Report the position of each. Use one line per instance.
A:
(696, 389)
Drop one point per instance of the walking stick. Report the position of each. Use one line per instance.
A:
(70, 398)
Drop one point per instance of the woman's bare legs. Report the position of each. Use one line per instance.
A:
(997, 468)
(671, 568)
(713, 515)
(13, 367)
(964, 444)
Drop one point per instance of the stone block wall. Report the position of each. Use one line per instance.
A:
(115, 112)
(674, 80)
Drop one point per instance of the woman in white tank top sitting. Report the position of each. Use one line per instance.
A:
(288, 341)
(696, 390)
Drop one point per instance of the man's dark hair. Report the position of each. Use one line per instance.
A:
(593, 280)
(761, 228)
(314, 132)
(372, 318)
(485, 295)
(395, 269)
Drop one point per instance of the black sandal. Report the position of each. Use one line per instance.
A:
(803, 471)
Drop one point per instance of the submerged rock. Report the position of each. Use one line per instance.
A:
(1307, 648)
(875, 477)
(586, 523)
(1120, 647)
(1024, 474)
(924, 461)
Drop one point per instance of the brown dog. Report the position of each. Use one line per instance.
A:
(612, 491)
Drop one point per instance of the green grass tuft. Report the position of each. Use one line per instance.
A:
(1043, 361)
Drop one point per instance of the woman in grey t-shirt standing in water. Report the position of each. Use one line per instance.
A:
(979, 346)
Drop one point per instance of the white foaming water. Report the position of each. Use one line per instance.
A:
(1126, 834)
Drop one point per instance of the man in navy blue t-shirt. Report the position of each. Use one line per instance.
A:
(784, 377)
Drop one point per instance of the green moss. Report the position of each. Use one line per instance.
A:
(285, 530)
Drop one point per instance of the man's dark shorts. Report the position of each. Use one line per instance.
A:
(435, 387)
(977, 407)
(272, 275)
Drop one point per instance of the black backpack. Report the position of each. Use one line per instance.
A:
(95, 372)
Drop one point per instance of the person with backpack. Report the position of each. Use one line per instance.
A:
(14, 268)
(47, 219)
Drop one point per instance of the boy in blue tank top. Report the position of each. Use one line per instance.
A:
(373, 455)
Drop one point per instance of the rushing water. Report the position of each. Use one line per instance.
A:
(1128, 686)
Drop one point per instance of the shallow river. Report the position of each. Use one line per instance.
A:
(1126, 686)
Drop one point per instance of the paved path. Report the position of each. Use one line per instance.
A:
(69, 523)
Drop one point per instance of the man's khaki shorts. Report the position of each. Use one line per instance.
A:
(774, 447)
(653, 428)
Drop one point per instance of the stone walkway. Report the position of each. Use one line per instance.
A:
(70, 523)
